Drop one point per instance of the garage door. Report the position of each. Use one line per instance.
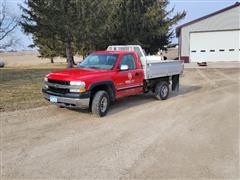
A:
(215, 46)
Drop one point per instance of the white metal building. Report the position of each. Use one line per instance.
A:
(212, 38)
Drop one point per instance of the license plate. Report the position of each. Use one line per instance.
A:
(53, 99)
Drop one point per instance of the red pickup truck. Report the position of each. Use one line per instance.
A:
(102, 78)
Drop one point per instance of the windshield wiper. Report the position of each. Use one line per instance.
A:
(80, 66)
(94, 67)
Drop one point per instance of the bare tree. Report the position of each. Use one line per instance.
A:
(8, 24)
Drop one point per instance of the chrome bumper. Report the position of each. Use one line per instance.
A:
(70, 102)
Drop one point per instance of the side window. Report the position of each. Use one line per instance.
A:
(123, 61)
(129, 61)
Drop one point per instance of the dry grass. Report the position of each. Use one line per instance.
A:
(21, 80)
(21, 88)
(29, 59)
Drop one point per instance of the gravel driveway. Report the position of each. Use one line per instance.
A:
(194, 134)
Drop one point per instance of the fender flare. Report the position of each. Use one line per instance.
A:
(109, 83)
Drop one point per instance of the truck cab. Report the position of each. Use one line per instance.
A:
(101, 78)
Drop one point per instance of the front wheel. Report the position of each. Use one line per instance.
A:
(100, 103)
(162, 90)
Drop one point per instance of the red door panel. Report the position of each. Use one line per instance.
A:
(128, 82)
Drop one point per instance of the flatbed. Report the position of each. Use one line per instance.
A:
(153, 66)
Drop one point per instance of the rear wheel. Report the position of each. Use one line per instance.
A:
(162, 90)
(100, 103)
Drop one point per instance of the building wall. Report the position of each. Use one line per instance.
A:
(228, 20)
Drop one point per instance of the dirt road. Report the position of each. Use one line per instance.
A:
(191, 135)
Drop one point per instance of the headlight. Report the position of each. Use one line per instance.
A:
(79, 87)
(46, 79)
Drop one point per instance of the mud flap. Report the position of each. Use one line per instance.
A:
(175, 83)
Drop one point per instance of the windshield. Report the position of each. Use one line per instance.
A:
(99, 61)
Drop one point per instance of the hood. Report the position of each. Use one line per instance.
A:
(76, 74)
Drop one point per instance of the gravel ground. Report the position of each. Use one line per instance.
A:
(193, 135)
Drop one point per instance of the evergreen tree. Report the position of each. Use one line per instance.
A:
(51, 20)
(145, 22)
(67, 27)
(50, 48)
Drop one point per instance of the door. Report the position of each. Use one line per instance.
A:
(128, 82)
(215, 46)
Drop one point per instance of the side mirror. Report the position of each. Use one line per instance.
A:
(124, 68)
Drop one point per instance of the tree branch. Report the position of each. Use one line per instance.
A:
(3, 14)
(8, 23)
(9, 31)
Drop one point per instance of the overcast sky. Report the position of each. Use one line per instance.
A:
(194, 9)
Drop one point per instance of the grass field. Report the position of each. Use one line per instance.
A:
(21, 88)
(30, 59)
(21, 79)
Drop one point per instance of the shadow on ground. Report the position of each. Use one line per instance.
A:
(138, 100)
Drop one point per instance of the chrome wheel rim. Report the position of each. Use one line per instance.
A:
(103, 104)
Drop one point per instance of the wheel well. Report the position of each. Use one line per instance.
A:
(105, 87)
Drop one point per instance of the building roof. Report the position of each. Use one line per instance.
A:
(178, 29)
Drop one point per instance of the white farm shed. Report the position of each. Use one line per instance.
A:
(212, 38)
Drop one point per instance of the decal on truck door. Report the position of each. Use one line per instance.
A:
(130, 78)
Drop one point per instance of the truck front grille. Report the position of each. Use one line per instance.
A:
(58, 90)
(67, 83)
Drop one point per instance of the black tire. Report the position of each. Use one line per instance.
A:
(60, 106)
(100, 103)
(162, 90)
(2, 64)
